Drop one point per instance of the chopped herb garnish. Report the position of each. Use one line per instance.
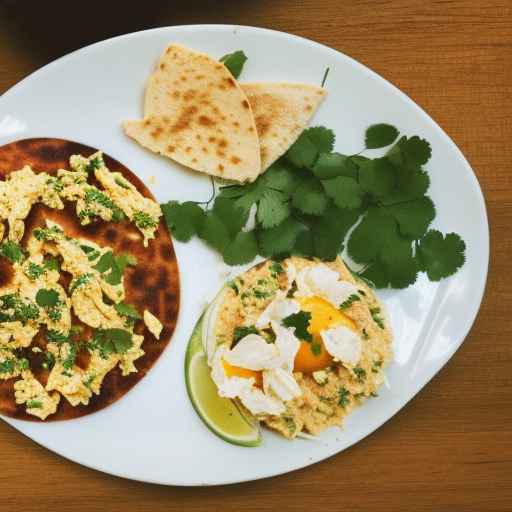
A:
(12, 251)
(300, 321)
(8, 366)
(343, 397)
(360, 373)
(89, 380)
(56, 337)
(48, 234)
(365, 335)
(51, 263)
(290, 424)
(349, 301)
(34, 404)
(316, 348)
(121, 182)
(95, 163)
(242, 331)
(47, 298)
(55, 183)
(377, 365)
(143, 220)
(49, 361)
(234, 62)
(21, 311)
(375, 312)
(69, 360)
(93, 195)
(276, 268)
(261, 294)
(79, 281)
(113, 340)
(127, 310)
(233, 286)
(33, 271)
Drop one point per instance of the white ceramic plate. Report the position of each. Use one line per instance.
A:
(153, 433)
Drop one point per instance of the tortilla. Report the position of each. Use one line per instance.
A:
(153, 284)
(196, 114)
(282, 111)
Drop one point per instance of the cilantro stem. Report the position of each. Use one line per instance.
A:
(212, 196)
(324, 79)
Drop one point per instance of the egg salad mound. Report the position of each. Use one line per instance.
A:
(299, 343)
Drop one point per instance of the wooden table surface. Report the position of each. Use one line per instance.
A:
(451, 447)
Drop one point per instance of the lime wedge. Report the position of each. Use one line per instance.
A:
(220, 415)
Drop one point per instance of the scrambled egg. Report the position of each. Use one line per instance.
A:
(119, 199)
(35, 297)
(153, 324)
(299, 344)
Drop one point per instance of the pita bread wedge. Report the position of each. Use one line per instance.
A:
(196, 113)
(281, 111)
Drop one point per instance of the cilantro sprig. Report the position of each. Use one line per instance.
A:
(316, 202)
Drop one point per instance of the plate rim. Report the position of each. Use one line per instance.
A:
(484, 250)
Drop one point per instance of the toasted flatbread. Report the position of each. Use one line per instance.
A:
(153, 284)
(196, 113)
(282, 111)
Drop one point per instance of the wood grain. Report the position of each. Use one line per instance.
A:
(451, 447)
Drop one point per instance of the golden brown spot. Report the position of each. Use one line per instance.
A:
(206, 121)
(245, 104)
(236, 124)
(251, 129)
(157, 132)
(308, 108)
(184, 119)
(219, 66)
(171, 149)
(211, 139)
(220, 153)
(216, 110)
(223, 143)
(231, 82)
(204, 102)
(189, 95)
(198, 137)
(222, 87)
(194, 160)
(220, 167)
(235, 160)
(223, 118)
(147, 122)
(204, 149)
(262, 125)
(162, 65)
(199, 77)
(176, 94)
(183, 78)
(188, 149)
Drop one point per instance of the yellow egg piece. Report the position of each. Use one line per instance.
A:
(312, 356)
(236, 371)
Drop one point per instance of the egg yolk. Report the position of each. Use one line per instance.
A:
(312, 356)
(236, 371)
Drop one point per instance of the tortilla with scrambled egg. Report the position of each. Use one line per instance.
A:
(151, 286)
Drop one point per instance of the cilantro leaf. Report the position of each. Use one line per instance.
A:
(380, 135)
(310, 198)
(376, 176)
(273, 208)
(304, 244)
(440, 257)
(234, 62)
(330, 165)
(344, 191)
(416, 151)
(303, 151)
(12, 251)
(113, 340)
(230, 214)
(281, 176)
(214, 232)
(410, 185)
(300, 321)
(414, 217)
(376, 230)
(105, 262)
(127, 310)
(242, 249)
(322, 138)
(183, 220)
(400, 266)
(279, 239)
(47, 298)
